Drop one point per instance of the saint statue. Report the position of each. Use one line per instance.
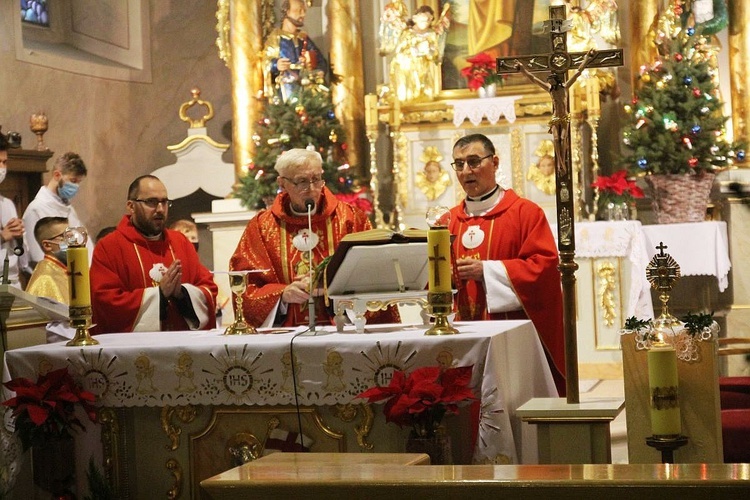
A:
(433, 180)
(417, 51)
(542, 173)
(290, 55)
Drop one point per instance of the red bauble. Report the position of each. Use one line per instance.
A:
(678, 57)
(693, 162)
(697, 92)
(343, 146)
(634, 100)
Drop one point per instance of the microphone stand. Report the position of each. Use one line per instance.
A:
(311, 300)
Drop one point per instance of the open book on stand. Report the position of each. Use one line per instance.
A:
(378, 261)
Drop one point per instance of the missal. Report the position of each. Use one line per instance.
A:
(378, 261)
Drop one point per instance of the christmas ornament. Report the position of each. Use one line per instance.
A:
(697, 92)
(332, 136)
(696, 129)
(687, 80)
(693, 162)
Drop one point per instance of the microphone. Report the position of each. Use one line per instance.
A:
(309, 204)
(17, 247)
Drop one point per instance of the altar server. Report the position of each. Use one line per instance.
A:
(506, 258)
(279, 241)
(145, 277)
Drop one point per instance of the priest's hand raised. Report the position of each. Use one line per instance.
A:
(171, 282)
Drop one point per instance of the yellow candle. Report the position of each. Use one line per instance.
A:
(371, 110)
(78, 277)
(439, 258)
(663, 384)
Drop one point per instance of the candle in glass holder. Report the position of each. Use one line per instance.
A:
(663, 388)
(438, 254)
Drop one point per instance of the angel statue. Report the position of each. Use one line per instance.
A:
(542, 173)
(417, 45)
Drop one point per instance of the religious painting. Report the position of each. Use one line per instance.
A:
(496, 27)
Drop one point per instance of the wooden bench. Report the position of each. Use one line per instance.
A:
(392, 477)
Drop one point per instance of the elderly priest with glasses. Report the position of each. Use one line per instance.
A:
(506, 259)
(145, 277)
(279, 242)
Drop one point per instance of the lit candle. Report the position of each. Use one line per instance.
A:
(438, 253)
(78, 277)
(663, 384)
(371, 110)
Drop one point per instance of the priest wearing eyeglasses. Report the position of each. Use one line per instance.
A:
(279, 242)
(506, 258)
(145, 277)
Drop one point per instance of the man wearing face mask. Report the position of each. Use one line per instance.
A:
(288, 50)
(50, 277)
(11, 227)
(53, 200)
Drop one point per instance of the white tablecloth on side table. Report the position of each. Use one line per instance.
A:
(700, 248)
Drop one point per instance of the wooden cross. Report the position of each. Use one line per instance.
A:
(557, 63)
(72, 275)
(435, 259)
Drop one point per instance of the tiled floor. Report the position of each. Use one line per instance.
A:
(618, 430)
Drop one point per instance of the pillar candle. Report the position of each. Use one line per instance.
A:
(78, 277)
(663, 384)
(371, 110)
(439, 255)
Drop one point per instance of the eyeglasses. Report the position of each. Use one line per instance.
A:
(472, 162)
(155, 202)
(305, 184)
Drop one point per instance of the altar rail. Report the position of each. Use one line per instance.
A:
(520, 482)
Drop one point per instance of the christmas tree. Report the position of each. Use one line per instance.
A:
(305, 120)
(676, 120)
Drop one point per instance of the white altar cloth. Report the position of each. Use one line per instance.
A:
(620, 239)
(700, 248)
(477, 109)
(208, 368)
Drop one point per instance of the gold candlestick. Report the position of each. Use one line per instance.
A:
(39, 125)
(238, 285)
(79, 286)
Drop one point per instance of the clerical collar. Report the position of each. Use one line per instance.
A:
(484, 204)
(303, 214)
(484, 196)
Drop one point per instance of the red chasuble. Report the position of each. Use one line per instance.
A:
(517, 233)
(120, 275)
(268, 243)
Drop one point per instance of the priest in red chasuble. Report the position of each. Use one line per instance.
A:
(506, 258)
(145, 277)
(279, 242)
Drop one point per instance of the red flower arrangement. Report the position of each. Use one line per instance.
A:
(617, 187)
(423, 397)
(46, 409)
(482, 71)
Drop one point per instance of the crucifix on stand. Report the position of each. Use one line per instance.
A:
(557, 63)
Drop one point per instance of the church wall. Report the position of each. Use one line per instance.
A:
(120, 128)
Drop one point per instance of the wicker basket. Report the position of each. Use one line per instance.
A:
(679, 198)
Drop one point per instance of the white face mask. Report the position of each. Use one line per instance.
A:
(3, 172)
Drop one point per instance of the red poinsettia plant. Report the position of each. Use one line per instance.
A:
(482, 71)
(617, 187)
(357, 198)
(46, 409)
(421, 398)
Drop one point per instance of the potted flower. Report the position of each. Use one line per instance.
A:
(481, 74)
(675, 132)
(616, 194)
(420, 400)
(45, 418)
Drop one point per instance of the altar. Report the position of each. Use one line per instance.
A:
(174, 404)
